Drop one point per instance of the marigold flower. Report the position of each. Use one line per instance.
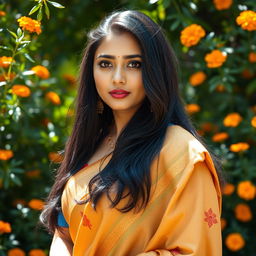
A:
(197, 78)
(228, 189)
(30, 25)
(5, 61)
(222, 4)
(70, 78)
(220, 136)
(223, 223)
(53, 97)
(36, 252)
(247, 74)
(247, 20)
(191, 35)
(2, 13)
(238, 147)
(253, 121)
(246, 190)
(21, 90)
(5, 154)
(36, 204)
(220, 88)
(208, 126)
(6, 77)
(55, 157)
(215, 59)
(232, 120)
(41, 71)
(33, 173)
(243, 212)
(234, 242)
(192, 108)
(5, 227)
(252, 57)
(16, 252)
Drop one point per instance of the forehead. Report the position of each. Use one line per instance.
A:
(119, 44)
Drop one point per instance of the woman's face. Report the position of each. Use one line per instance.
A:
(117, 72)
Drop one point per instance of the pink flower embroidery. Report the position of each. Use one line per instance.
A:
(86, 222)
(175, 252)
(210, 217)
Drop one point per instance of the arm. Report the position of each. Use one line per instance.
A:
(61, 243)
(191, 224)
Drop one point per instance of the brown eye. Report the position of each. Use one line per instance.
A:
(104, 64)
(134, 64)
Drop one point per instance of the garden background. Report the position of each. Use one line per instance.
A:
(41, 46)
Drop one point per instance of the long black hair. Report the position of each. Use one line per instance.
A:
(141, 139)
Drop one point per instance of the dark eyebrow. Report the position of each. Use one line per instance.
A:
(113, 57)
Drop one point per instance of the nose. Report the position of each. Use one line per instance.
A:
(119, 76)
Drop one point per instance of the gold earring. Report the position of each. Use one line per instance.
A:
(99, 107)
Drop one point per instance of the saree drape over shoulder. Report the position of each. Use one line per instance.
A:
(181, 218)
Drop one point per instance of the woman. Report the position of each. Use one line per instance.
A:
(136, 178)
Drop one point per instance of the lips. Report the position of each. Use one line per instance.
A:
(119, 93)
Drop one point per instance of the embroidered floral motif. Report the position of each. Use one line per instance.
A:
(175, 252)
(86, 222)
(210, 217)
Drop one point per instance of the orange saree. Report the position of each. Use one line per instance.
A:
(181, 218)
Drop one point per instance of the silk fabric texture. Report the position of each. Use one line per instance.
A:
(181, 218)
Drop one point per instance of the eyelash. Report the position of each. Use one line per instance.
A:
(106, 64)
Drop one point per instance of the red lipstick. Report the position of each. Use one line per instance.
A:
(119, 93)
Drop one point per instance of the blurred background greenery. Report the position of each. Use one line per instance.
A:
(215, 42)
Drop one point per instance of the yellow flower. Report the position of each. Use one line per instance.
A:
(234, 242)
(243, 212)
(240, 146)
(55, 157)
(253, 121)
(41, 71)
(5, 227)
(53, 97)
(192, 108)
(215, 59)
(5, 61)
(30, 25)
(191, 35)
(228, 189)
(247, 20)
(21, 90)
(246, 190)
(36, 252)
(252, 57)
(36, 204)
(197, 78)
(16, 252)
(220, 136)
(5, 154)
(232, 120)
(222, 4)
(2, 13)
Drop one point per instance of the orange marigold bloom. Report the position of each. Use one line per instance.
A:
(234, 242)
(5, 227)
(247, 74)
(223, 223)
(220, 88)
(2, 13)
(247, 20)
(215, 59)
(70, 78)
(16, 252)
(33, 173)
(191, 35)
(5, 154)
(246, 190)
(243, 212)
(197, 78)
(220, 136)
(228, 189)
(36, 204)
(53, 97)
(5, 61)
(21, 90)
(222, 4)
(41, 71)
(36, 252)
(5, 77)
(253, 121)
(252, 57)
(55, 157)
(30, 25)
(192, 108)
(238, 147)
(232, 120)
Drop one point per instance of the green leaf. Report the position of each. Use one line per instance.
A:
(34, 9)
(12, 33)
(40, 14)
(5, 47)
(16, 180)
(47, 11)
(19, 32)
(55, 4)
(29, 58)
(22, 47)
